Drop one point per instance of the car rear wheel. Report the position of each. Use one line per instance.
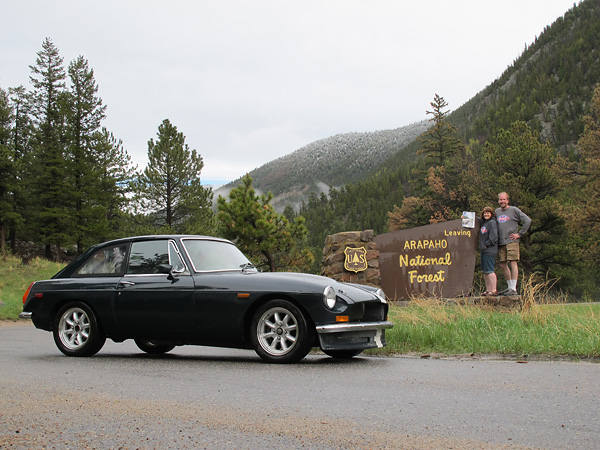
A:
(342, 354)
(77, 331)
(281, 333)
(153, 347)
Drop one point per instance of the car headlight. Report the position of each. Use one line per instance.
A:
(379, 293)
(329, 297)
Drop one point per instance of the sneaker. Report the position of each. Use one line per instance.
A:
(510, 292)
(504, 291)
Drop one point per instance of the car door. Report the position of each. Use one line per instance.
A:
(96, 282)
(221, 297)
(150, 303)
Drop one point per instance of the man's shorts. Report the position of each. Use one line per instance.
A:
(509, 252)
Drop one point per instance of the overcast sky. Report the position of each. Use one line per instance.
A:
(248, 81)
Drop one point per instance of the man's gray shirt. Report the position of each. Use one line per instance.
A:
(509, 220)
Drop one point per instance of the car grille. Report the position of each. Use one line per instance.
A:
(374, 312)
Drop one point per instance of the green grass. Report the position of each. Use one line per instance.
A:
(541, 327)
(15, 278)
(430, 326)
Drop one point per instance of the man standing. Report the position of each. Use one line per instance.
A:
(509, 219)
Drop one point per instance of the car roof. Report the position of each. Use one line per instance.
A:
(76, 263)
(162, 236)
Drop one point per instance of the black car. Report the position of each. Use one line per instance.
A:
(165, 291)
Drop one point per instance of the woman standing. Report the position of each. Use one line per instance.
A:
(488, 247)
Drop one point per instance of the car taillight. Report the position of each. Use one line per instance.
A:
(27, 292)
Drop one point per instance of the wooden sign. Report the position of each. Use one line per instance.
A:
(431, 261)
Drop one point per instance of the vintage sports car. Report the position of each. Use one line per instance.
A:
(165, 291)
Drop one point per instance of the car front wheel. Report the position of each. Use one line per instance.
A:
(153, 347)
(77, 331)
(281, 333)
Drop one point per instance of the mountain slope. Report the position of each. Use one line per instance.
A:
(330, 162)
(548, 86)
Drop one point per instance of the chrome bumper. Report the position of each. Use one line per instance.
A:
(353, 335)
(25, 315)
(345, 327)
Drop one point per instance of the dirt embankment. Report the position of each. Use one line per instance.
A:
(14, 323)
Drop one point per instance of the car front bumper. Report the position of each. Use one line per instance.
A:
(353, 336)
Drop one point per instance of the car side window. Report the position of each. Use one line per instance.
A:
(146, 256)
(106, 261)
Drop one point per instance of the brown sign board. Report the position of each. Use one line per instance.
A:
(435, 260)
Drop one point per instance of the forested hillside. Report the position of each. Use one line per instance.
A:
(549, 86)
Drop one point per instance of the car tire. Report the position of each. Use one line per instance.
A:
(342, 354)
(152, 347)
(77, 331)
(280, 332)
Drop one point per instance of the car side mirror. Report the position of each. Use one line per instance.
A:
(168, 269)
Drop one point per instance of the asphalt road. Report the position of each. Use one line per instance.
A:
(198, 397)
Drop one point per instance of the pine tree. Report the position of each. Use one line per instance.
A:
(20, 145)
(584, 201)
(114, 174)
(439, 143)
(170, 185)
(259, 231)
(517, 162)
(84, 113)
(7, 168)
(50, 183)
(441, 189)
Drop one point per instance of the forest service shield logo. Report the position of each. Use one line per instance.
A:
(356, 259)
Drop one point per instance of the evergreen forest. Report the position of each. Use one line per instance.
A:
(67, 183)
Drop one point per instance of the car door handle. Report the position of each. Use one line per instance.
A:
(126, 283)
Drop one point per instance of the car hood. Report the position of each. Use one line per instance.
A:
(307, 283)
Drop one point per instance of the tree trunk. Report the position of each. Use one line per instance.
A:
(2, 240)
(270, 260)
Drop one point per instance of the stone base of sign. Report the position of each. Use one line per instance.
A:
(332, 265)
(500, 301)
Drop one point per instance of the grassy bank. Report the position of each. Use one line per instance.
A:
(15, 278)
(543, 326)
(430, 326)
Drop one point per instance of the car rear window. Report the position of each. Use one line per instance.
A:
(104, 262)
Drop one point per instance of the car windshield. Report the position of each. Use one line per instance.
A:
(207, 255)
